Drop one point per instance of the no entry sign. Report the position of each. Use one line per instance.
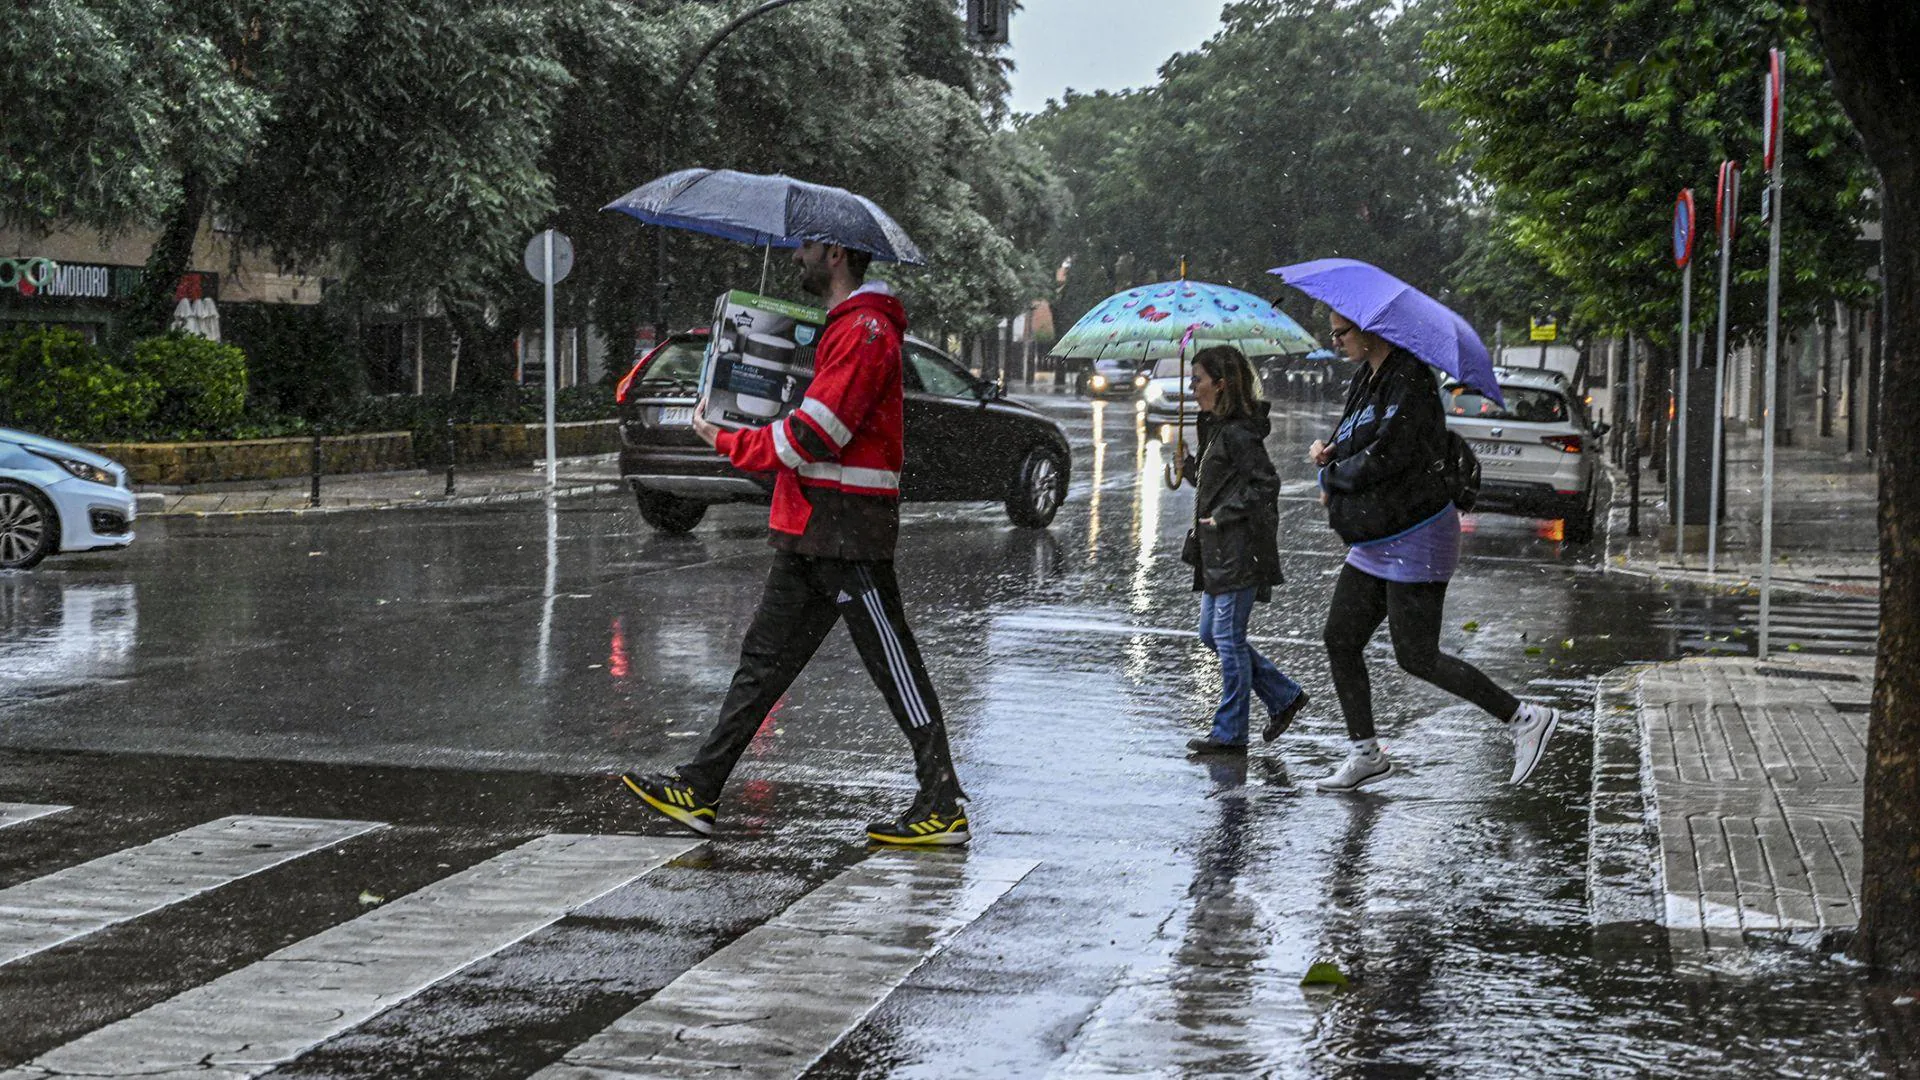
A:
(1683, 228)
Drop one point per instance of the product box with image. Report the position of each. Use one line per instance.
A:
(759, 359)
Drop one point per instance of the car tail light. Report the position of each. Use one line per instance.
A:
(1566, 444)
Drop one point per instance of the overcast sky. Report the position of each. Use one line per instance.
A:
(1100, 44)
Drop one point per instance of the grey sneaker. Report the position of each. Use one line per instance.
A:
(1357, 770)
(1531, 727)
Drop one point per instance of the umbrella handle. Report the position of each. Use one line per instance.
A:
(1180, 425)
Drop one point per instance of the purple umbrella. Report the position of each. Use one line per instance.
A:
(1382, 304)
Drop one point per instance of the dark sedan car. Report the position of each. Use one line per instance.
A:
(964, 441)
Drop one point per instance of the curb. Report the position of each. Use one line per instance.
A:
(440, 502)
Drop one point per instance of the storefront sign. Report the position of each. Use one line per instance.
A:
(36, 276)
(32, 272)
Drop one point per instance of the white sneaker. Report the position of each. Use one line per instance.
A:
(1359, 768)
(1531, 727)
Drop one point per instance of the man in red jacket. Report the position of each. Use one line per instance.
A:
(834, 522)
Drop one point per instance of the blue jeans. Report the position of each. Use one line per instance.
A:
(1243, 671)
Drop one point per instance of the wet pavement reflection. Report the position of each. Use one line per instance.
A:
(486, 668)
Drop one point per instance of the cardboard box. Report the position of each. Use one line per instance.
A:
(759, 359)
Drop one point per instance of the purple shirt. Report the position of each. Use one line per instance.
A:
(1427, 552)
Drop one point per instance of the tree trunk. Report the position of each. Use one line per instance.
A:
(1868, 54)
(150, 310)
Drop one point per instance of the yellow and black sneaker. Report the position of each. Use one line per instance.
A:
(673, 797)
(929, 822)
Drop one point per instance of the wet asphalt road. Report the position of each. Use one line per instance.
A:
(473, 678)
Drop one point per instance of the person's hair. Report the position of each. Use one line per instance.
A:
(1227, 366)
(857, 262)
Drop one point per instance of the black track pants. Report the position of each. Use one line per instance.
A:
(804, 597)
(1412, 613)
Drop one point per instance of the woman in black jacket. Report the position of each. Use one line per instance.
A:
(1384, 481)
(1234, 548)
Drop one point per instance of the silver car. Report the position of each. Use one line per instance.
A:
(56, 497)
(1539, 454)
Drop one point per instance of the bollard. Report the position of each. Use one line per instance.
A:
(313, 497)
(450, 452)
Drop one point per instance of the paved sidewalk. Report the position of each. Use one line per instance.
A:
(370, 491)
(1825, 522)
(1734, 788)
(1727, 791)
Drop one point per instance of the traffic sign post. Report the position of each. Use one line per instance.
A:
(1683, 218)
(1771, 128)
(549, 258)
(1726, 215)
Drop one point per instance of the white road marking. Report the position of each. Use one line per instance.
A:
(71, 903)
(267, 1013)
(776, 1000)
(13, 813)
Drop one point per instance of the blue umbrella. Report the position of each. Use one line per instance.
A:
(1382, 304)
(768, 211)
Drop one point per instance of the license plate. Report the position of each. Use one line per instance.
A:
(676, 416)
(1496, 449)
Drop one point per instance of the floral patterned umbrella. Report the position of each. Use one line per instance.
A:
(1179, 318)
(1149, 322)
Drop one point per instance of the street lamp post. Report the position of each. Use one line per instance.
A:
(660, 152)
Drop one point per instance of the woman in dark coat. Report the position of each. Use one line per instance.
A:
(1384, 481)
(1234, 548)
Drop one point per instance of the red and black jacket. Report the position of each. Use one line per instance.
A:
(837, 457)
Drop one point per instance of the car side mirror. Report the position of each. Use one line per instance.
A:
(1600, 428)
(991, 391)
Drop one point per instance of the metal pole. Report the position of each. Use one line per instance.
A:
(1679, 475)
(450, 449)
(1731, 214)
(1633, 442)
(313, 496)
(553, 478)
(1773, 378)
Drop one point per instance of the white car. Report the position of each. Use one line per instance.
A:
(56, 498)
(1539, 455)
(1166, 388)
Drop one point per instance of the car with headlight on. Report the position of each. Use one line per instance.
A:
(1115, 378)
(1539, 453)
(1166, 389)
(57, 498)
(965, 441)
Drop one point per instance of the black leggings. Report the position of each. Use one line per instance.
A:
(1412, 614)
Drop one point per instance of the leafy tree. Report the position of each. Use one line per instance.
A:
(1296, 132)
(1866, 46)
(1589, 117)
(878, 96)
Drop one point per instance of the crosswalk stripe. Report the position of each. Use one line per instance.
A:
(269, 1012)
(71, 903)
(12, 813)
(778, 998)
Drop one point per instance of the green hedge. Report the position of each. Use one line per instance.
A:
(53, 383)
(180, 387)
(203, 384)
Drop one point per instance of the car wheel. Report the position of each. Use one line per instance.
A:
(669, 513)
(1039, 487)
(1578, 529)
(29, 530)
